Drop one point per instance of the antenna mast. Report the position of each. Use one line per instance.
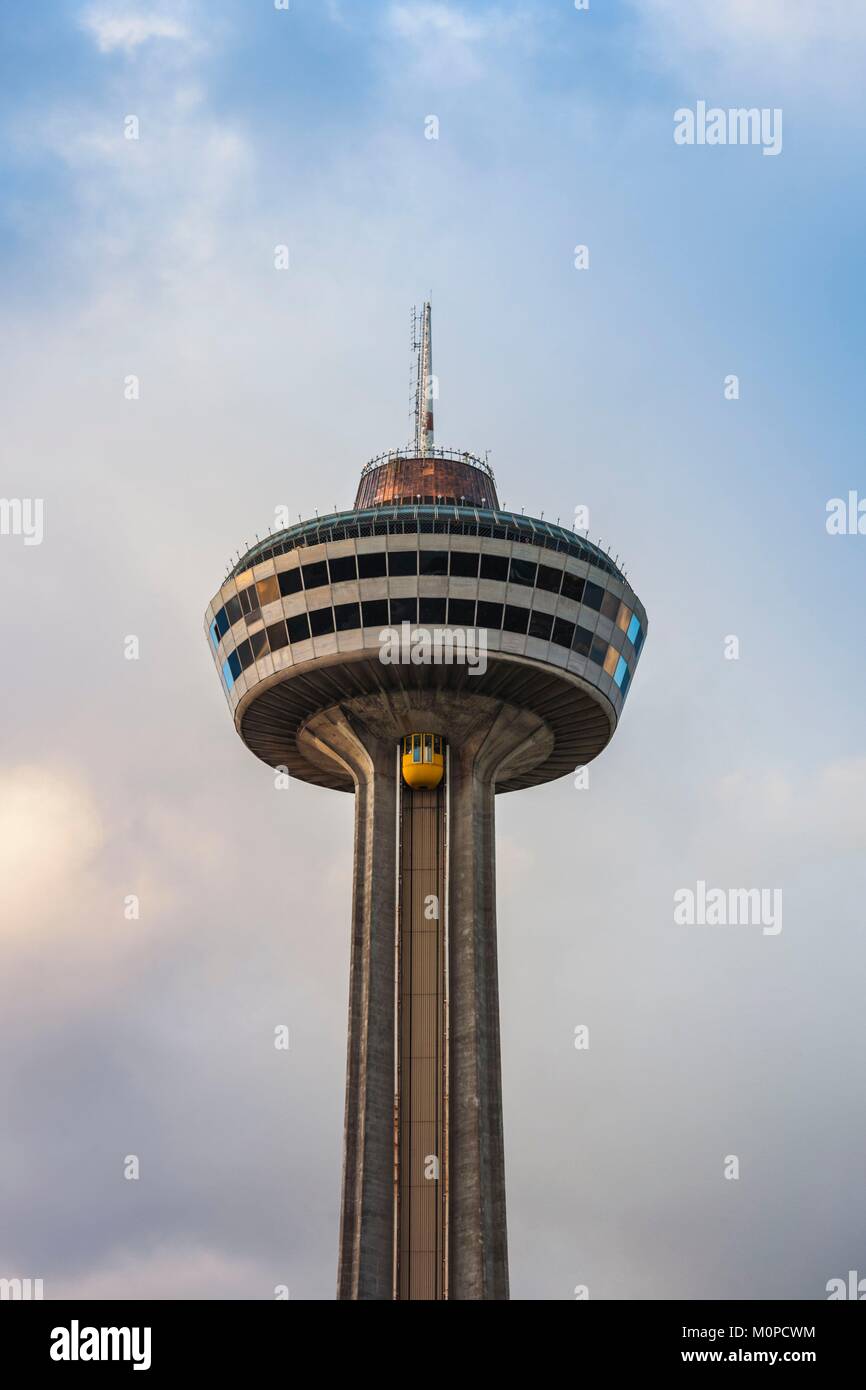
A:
(423, 382)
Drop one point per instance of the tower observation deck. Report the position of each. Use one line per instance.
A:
(425, 651)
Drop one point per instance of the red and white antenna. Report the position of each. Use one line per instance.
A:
(423, 383)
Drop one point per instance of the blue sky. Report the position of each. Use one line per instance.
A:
(601, 387)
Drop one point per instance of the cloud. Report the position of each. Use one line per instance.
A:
(50, 832)
(447, 43)
(821, 812)
(777, 42)
(167, 1272)
(113, 28)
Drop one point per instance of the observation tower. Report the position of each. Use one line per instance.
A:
(425, 651)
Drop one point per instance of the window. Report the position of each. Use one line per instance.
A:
(221, 622)
(234, 665)
(375, 612)
(259, 643)
(298, 627)
(342, 568)
(227, 674)
(461, 612)
(610, 660)
(437, 744)
(401, 562)
(428, 748)
(633, 629)
(277, 636)
(404, 610)
(289, 582)
(432, 561)
(465, 563)
(214, 635)
(625, 683)
(563, 632)
(247, 604)
(245, 652)
(268, 589)
(620, 671)
(592, 595)
(494, 567)
(407, 744)
(315, 575)
(549, 579)
(489, 614)
(582, 641)
(623, 617)
(416, 748)
(431, 610)
(522, 572)
(515, 619)
(572, 586)
(347, 616)
(321, 621)
(610, 605)
(638, 641)
(598, 650)
(372, 565)
(540, 625)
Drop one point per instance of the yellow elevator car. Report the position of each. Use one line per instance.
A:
(423, 759)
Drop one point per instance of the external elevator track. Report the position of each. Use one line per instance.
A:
(421, 1060)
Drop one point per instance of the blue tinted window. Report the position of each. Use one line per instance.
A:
(639, 641)
(633, 628)
(227, 675)
(222, 622)
(620, 671)
(234, 664)
(625, 681)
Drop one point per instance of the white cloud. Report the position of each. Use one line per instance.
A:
(818, 813)
(776, 43)
(113, 28)
(50, 831)
(447, 43)
(176, 1273)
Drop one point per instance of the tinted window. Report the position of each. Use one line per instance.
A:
(572, 587)
(245, 652)
(431, 610)
(299, 628)
(461, 611)
(247, 604)
(582, 641)
(404, 610)
(489, 614)
(540, 625)
(234, 664)
(222, 622)
(494, 567)
(403, 562)
(592, 595)
(563, 632)
(321, 621)
(342, 568)
(610, 605)
(515, 619)
(315, 575)
(289, 581)
(259, 643)
(277, 636)
(598, 650)
(269, 589)
(432, 561)
(233, 610)
(348, 615)
(625, 682)
(371, 566)
(465, 563)
(522, 572)
(375, 612)
(548, 579)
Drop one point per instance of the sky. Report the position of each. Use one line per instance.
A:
(261, 388)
